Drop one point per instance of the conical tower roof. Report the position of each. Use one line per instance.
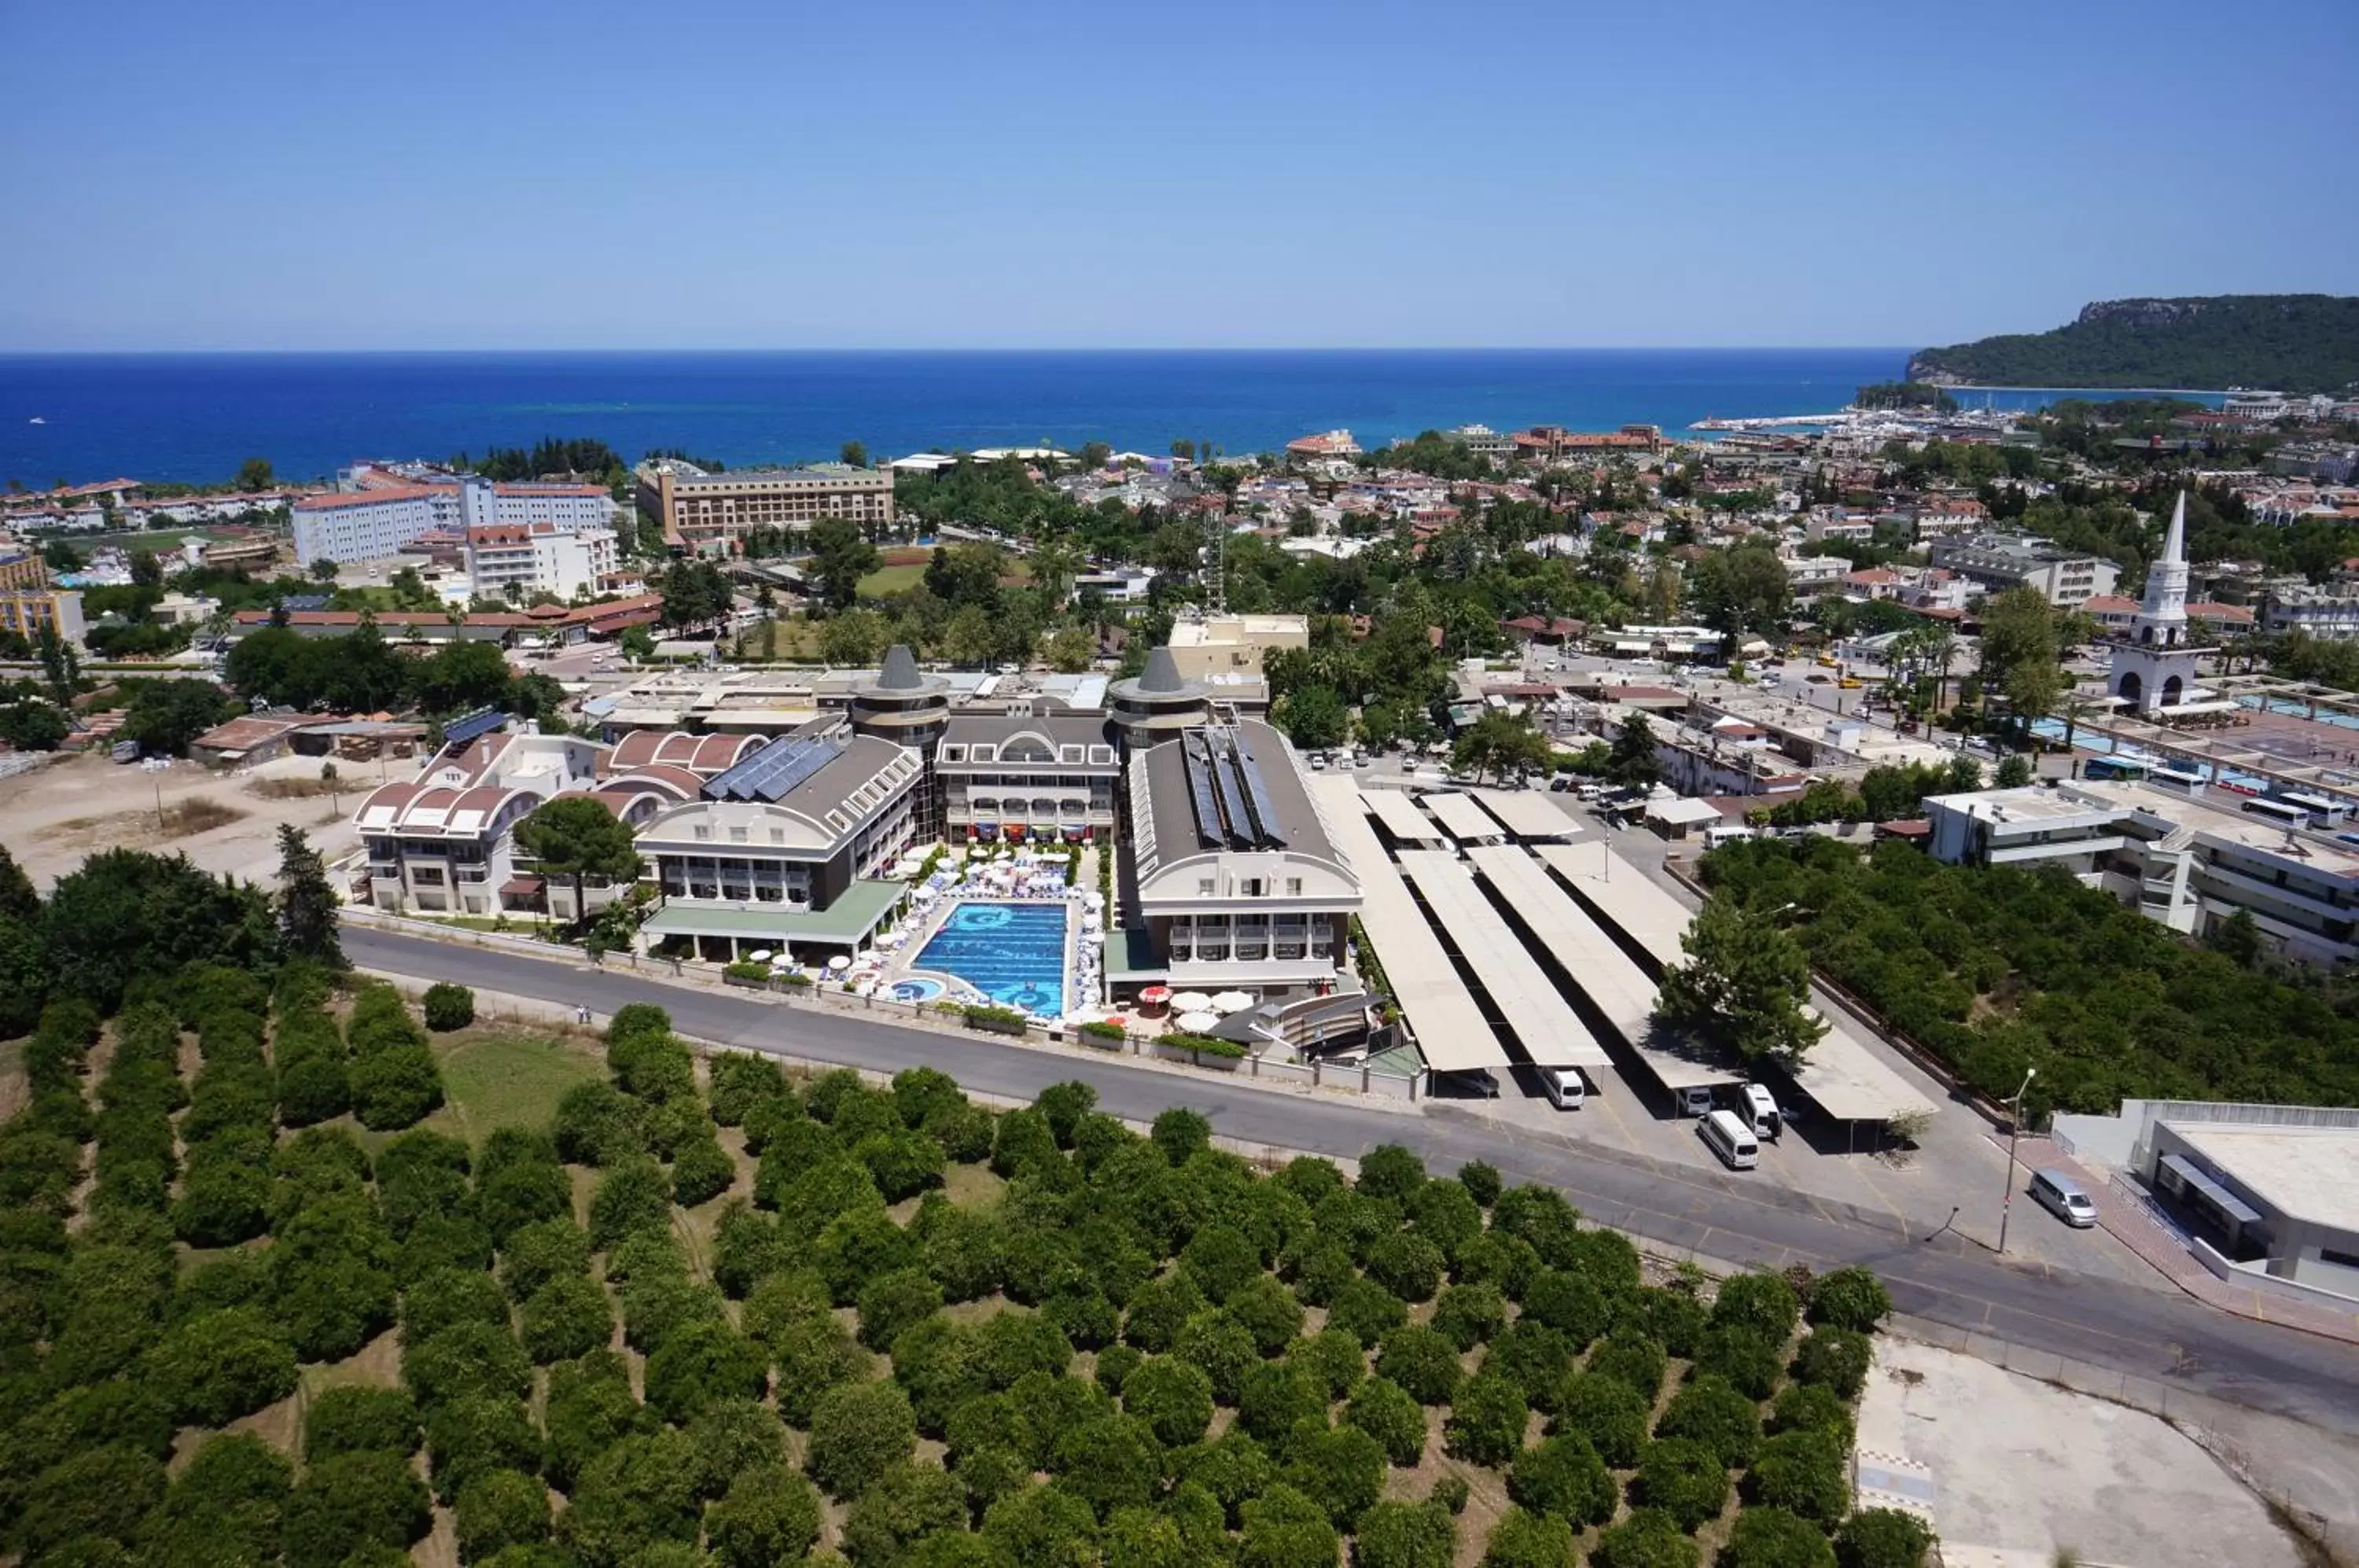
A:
(900, 672)
(1162, 676)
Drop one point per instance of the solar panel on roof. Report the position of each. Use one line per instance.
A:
(1264, 810)
(773, 771)
(458, 732)
(1231, 794)
(1195, 752)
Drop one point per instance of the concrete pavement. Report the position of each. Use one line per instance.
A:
(1944, 1278)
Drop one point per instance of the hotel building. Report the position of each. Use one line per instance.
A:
(699, 509)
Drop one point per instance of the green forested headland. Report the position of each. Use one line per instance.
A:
(2290, 342)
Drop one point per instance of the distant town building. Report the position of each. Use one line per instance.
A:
(25, 611)
(699, 509)
(1226, 645)
(540, 558)
(1994, 563)
(1319, 447)
(373, 522)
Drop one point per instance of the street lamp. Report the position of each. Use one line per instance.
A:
(2014, 1127)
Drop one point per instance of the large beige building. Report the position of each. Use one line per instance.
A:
(1221, 646)
(698, 508)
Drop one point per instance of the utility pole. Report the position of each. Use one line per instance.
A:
(2014, 1128)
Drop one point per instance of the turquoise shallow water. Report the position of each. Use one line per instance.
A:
(1013, 953)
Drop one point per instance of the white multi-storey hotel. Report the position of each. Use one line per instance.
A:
(373, 522)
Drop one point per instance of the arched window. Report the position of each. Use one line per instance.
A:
(2172, 689)
(2131, 688)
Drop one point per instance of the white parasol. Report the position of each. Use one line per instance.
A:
(1231, 1002)
(1191, 1002)
(1196, 1023)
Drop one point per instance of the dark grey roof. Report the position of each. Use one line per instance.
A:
(1293, 824)
(1082, 726)
(1162, 674)
(900, 672)
(1160, 682)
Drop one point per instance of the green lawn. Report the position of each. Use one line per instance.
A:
(496, 1078)
(892, 579)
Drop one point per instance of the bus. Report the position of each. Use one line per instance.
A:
(2278, 811)
(2177, 780)
(2322, 812)
(2118, 767)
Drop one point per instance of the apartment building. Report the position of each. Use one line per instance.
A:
(374, 521)
(445, 843)
(699, 509)
(25, 611)
(1221, 646)
(2183, 862)
(1238, 885)
(21, 570)
(1039, 776)
(1994, 563)
(786, 851)
(540, 558)
(2329, 613)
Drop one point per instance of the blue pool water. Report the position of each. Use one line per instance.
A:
(920, 990)
(1013, 953)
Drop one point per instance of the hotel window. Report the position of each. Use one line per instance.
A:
(736, 836)
(1204, 887)
(985, 754)
(703, 832)
(1294, 887)
(1253, 937)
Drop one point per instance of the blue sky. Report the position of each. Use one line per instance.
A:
(732, 173)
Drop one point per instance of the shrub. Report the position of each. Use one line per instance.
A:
(1467, 1315)
(1486, 1422)
(471, 1437)
(1771, 1538)
(1526, 1540)
(1764, 1303)
(395, 1087)
(567, 1317)
(1801, 1472)
(1534, 1357)
(1640, 1363)
(537, 1253)
(1882, 1538)
(1682, 1479)
(444, 1297)
(499, 1509)
(1743, 1357)
(1043, 1526)
(1180, 1134)
(1097, 1032)
(857, 1432)
(633, 1195)
(226, 1506)
(1811, 1407)
(1366, 1311)
(224, 1364)
(1564, 1477)
(449, 1006)
(1649, 1538)
(1672, 1319)
(1407, 1265)
(746, 969)
(1388, 1170)
(1570, 1303)
(1333, 1357)
(1219, 1259)
(1219, 1345)
(905, 1504)
(1270, 1313)
(352, 1501)
(701, 1171)
(1422, 1361)
(1173, 1397)
(467, 1360)
(1274, 1397)
(1283, 1529)
(769, 1514)
(1852, 1298)
(1480, 1180)
(1404, 1535)
(1382, 1410)
(101, 1495)
(1836, 1358)
(703, 1363)
(351, 1419)
(1710, 1412)
(733, 1436)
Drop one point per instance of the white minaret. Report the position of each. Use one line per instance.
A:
(2162, 617)
(2157, 669)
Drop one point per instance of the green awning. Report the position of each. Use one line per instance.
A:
(856, 914)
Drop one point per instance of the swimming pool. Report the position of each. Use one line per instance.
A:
(1013, 953)
(920, 990)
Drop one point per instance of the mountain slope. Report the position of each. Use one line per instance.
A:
(2290, 342)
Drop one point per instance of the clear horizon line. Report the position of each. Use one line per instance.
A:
(13, 353)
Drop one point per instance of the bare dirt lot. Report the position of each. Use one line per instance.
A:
(2023, 1470)
(53, 817)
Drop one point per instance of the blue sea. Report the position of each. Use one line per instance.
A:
(195, 418)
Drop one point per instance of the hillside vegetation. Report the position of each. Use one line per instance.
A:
(2290, 343)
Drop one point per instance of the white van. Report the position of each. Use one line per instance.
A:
(1761, 1110)
(1563, 1087)
(1725, 1134)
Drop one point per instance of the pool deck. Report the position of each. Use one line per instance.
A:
(904, 965)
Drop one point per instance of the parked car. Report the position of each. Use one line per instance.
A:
(1694, 1101)
(2063, 1197)
(1564, 1088)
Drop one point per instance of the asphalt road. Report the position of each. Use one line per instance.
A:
(1947, 1278)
